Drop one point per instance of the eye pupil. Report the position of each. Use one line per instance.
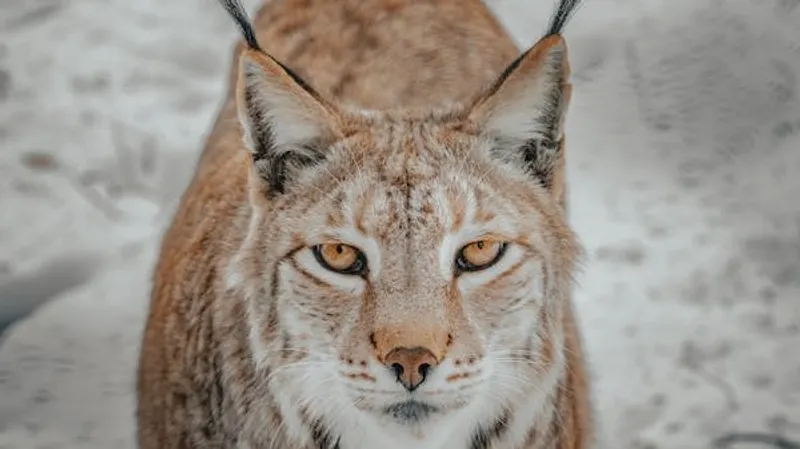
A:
(340, 258)
(480, 255)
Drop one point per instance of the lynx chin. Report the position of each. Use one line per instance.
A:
(374, 251)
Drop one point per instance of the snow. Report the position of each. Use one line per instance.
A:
(684, 150)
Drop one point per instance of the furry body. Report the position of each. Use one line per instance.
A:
(402, 132)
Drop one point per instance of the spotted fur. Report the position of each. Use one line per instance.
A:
(406, 130)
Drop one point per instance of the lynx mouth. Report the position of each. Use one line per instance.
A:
(410, 411)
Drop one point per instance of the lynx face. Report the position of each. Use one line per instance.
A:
(403, 270)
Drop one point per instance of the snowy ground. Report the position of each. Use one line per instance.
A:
(685, 171)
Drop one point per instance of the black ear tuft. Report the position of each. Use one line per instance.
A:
(237, 12)
(562, 15)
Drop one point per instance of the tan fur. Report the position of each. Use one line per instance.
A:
(239, 311)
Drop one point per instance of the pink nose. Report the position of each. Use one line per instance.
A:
(411, 365)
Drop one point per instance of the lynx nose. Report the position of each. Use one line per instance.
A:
(410, 365)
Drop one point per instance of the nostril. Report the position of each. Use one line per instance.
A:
(398, 369)
(410, 365)
(424, 369)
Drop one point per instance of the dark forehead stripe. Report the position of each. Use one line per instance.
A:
(407, 174)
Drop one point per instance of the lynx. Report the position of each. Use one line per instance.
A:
(374, 251)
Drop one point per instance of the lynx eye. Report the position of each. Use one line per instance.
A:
(480, 255)
(341, 258)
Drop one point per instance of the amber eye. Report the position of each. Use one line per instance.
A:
(341, 258)
(480, 255)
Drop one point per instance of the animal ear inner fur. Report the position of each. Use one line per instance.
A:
(524, 110)
(287, 125)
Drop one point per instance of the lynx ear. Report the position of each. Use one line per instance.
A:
(286, 124)
(524, 110)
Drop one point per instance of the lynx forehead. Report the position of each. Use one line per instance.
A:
(374, 251)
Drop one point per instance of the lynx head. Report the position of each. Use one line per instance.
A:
(406, 269)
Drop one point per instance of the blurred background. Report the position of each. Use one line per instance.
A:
(684, 165)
